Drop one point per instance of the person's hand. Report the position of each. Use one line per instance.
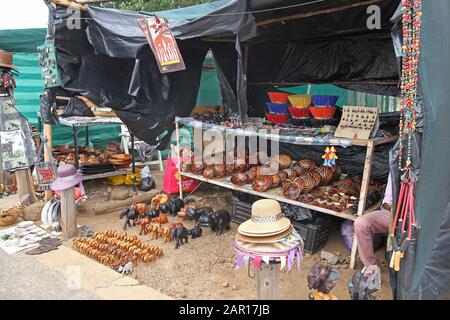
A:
(387, 206)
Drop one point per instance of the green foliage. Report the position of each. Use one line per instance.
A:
(153, 5)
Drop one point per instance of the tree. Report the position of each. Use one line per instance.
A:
(152, 5)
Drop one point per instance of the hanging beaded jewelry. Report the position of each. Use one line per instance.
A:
(412, 22)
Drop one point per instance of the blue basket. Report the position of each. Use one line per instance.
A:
(325, 100)
(280, 108)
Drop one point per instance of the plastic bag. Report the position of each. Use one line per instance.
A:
(172, 178)
(77, 107)
(147, 181)
(296, 213)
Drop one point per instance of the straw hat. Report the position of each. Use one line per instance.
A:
(267, 239)
(6, 59)
(267, 220)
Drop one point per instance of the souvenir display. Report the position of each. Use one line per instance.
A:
(114, 248)
(93, 160)
(358, 123)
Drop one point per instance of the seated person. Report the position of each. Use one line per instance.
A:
(369, 224)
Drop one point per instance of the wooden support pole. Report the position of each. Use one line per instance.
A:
(48, 135)
(267, 282)
(68, 213)
(25, 185)
(363, 195)
(177, 131)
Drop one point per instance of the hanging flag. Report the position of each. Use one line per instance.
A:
(163, 44)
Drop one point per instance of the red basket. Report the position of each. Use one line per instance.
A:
(299, 113)
(277, 118)
(278, 97)
(322, 112)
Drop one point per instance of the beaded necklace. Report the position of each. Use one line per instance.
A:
(412, 21)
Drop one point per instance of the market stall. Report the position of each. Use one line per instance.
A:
(255, 52)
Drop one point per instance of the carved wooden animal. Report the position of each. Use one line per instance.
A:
(158, 200)
(172, 207)
(196, 232)
(162, 218)
(129, 214)
(141, 208)
(144, 222)
(180, 235)
(222, 221)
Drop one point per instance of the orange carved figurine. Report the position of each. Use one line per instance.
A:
(144, 222)
(141, 208)
(162, 218)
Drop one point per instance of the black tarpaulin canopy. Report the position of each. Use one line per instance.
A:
(258, 44)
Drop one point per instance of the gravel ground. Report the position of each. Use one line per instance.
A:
(204, 268)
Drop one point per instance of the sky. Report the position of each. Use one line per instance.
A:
(23, 14)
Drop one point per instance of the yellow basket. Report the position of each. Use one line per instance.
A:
(300, 100)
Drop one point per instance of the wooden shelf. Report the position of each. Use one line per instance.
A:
(106, 174)
(274, 194)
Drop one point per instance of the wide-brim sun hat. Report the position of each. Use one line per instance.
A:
(267, 239)
(68, 177)
(267, 219)
(6, 59)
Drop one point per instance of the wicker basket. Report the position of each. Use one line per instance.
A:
(11, 217)
(300, 100)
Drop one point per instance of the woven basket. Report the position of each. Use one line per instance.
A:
(278, 97)
(11, 217)
(325, 100)
(299, 113)
(300, 100)
(277, 118)
(280, 108)
(323, 112)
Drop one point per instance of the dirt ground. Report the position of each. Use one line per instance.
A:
(204, 268)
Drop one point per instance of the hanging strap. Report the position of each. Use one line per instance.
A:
(44, 145)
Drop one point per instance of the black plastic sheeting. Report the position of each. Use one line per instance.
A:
(109, 61)
(341, 60)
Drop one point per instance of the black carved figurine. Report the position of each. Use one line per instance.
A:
(180, 235)
(129, 214)
(222, 221)
(196, 232)
(172, 207)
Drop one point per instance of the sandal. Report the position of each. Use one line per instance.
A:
(46, 245)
